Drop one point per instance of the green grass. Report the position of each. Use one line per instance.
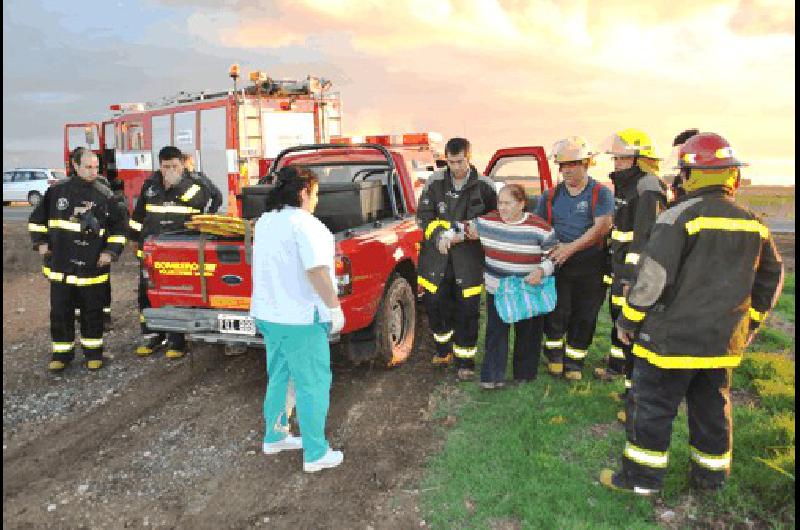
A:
(785, 306)
(530, 454)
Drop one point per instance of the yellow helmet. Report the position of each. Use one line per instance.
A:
(632, 142)
(571, 149)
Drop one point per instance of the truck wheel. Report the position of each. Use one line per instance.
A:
(34, 198)
(395, 322)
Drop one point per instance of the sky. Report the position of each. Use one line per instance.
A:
(499, 72)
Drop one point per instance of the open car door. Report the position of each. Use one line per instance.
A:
(527, 166)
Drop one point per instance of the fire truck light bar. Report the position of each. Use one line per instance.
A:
(419, 139)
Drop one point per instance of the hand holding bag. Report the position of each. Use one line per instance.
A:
(515, 299)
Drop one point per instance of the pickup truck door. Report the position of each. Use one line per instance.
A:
(527, 166)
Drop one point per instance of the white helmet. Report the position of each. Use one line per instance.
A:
(571, 149)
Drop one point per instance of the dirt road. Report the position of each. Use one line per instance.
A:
(154, 442)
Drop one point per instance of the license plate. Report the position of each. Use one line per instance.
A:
(240, 325)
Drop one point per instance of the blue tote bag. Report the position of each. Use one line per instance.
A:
(515, 299)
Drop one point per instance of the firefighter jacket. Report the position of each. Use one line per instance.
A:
(211, 189)
(707, 277)
(160, 210)
(78, 220)
(639, 198)
(440, 208)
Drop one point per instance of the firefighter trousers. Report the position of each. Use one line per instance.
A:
(453, 320)
(174, 340)
(64, 299)
(569, 328)
(652, 405)
(620, 357)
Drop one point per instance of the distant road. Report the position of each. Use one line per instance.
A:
(16, 213)
(781, 225)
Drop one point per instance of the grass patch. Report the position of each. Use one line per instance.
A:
(785, 306)
(531, 453)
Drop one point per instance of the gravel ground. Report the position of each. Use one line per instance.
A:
(177, 444)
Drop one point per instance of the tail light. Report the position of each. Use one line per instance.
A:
(344, 277)
(148, 262)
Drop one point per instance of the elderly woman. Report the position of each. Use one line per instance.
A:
(515, 243)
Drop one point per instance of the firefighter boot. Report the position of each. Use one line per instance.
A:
(573, 375)
(619, 482)
(176, 347)
(555, 369)
(622, 417)
(149, 343)
(94, 364)
(57, 366)
(606, 374)
(438, 360)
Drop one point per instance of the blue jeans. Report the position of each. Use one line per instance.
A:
(301, 352)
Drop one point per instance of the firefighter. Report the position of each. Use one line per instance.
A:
(677, 144)
(706, 279)
(167, 200)
(451, 267)
(107, 323)
(79, 231)
(580, 210)
(639, 197)
(211, 189)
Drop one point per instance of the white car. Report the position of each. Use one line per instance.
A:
(29, 184)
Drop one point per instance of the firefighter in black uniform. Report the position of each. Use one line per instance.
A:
(79, 231)
(639, 197)
(211, 189)
(451, 265)
(705, 281)
(167, 200)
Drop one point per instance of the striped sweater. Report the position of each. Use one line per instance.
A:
(514, 249)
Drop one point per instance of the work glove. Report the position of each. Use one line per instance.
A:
(337, 320)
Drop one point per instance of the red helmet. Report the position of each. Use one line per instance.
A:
(707, 151)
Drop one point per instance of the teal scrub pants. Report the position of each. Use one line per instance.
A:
(302, 353)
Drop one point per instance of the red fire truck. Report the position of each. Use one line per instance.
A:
(232, 134)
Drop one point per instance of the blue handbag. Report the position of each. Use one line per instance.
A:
(515, 299)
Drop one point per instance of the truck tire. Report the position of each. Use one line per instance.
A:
(395, 323)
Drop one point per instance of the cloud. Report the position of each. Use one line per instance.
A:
(760, 17)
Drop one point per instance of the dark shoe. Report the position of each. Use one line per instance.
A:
(618, 481)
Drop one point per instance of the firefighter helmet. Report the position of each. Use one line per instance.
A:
(631, 142)
(572, 149)
(707, 151)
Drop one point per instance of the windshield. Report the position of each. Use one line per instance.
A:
(350, 172)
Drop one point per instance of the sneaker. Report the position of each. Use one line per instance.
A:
(486, 385)
(618, 482)
(606, 374)
(555, 368)
(331, 459)
(56, 366)
(442, 361)
(94, 364)
(573, 375)
(287, 444)
(149, 343)
(622, 417)
(465, 374)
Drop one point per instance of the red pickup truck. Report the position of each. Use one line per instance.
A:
(200, 284)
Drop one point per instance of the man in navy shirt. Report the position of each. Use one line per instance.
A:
(580, 210)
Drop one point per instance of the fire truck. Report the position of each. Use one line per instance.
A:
(232, 134)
